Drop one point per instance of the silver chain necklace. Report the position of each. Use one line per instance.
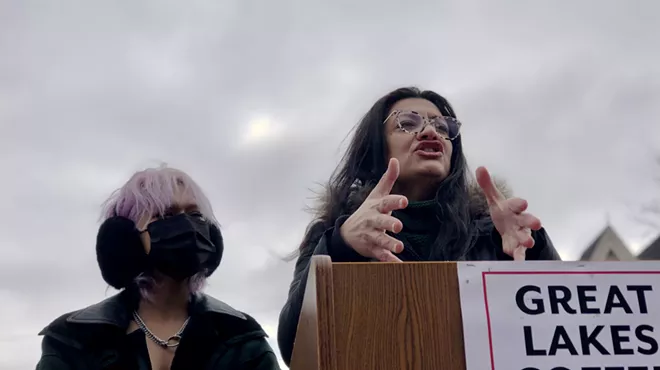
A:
(172, 341)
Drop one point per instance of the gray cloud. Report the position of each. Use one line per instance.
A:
(559, 98)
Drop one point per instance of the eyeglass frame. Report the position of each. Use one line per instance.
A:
(426, 120)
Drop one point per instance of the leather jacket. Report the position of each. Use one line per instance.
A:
(217, 337)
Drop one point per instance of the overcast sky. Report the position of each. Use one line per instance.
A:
(254, 98)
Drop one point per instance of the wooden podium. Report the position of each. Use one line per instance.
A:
(381, 316)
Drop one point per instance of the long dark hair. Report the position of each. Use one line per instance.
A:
(365, 161)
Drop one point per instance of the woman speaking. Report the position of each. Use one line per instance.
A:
(403, 193)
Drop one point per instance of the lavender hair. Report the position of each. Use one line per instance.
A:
(149, 193)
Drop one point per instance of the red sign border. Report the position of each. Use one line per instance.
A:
(485, 273)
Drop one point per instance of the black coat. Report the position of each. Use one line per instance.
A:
(94, 338)
(487, 247)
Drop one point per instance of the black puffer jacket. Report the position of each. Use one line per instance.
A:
(487, 247)
(217, 337)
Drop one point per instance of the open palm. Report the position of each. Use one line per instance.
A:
(509, 218)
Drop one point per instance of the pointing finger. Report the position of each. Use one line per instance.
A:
(519, 254)
(391, 203)
(384, 241)
(517, 205)
(385, 222)
(386, 183)
(528, 220)
(525, 238)
(385, 255)
(488, 186)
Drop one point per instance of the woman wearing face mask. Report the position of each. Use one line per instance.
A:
(158, 243)
(403, 193)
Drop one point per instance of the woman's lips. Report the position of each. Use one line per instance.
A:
(429, 154)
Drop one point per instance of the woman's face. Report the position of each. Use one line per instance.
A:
(180, 204)
(424, 157)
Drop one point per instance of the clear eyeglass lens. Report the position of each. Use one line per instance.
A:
(413, 123)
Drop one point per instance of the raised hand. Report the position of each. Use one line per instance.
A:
(364, 230)
(509, 218)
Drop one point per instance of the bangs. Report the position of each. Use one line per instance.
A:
(152, 191)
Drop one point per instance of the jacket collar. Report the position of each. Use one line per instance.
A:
(117, 310)
(101, 326)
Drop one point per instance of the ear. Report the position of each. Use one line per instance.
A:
(145, 239)
(119, 252)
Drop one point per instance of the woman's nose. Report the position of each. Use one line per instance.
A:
(428, 132)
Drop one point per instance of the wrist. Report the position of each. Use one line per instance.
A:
(338, 249)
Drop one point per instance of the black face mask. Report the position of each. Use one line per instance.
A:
(181, 245)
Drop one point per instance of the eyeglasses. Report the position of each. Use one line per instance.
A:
(413, 123)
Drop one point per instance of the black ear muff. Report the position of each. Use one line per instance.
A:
(119, 252)
(216, 239)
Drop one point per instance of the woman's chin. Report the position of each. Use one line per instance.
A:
(432, 170)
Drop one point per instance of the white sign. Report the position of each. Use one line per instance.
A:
(561, 315)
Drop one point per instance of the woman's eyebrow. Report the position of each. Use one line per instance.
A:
(188, 207)
(174, 208)
(192, 207)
